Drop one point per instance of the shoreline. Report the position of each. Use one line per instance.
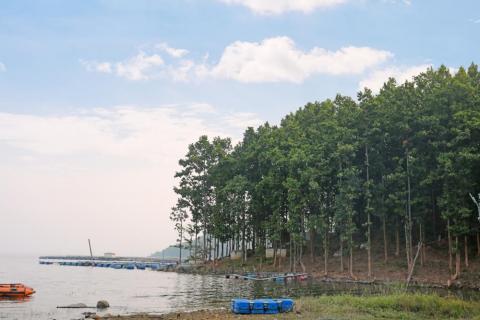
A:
(341, 279)
(393, 306)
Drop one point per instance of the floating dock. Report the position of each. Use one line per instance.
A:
(268, 277)
(129, 263)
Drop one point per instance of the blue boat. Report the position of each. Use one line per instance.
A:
(140, 266)
(116, 266)
(154, 266)
(261, 306)
(129, 266)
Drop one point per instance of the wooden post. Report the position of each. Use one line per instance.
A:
(465, 241)
(90, 246)
(413, 264)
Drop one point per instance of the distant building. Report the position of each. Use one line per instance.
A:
(109, 254)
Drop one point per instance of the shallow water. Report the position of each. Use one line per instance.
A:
(130, 291)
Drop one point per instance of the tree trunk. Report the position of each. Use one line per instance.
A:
(204, 245)
(465, 240)
(275, 245)
(280, 256)
(422, 258)
(181, 238)
(424, 246)
(478, 244)
(409, 210)
(457, 259)
(369, 235)
(350, 263)
(325, 252)
(244, 249)
(397, 239)
(341, 254)
(295, 256)
(209, 247)
(312, 245)
(450, 257)
(406, 247)
(196, 244)
(434, 218)
(385, 247)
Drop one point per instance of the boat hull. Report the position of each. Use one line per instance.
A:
(15, 290)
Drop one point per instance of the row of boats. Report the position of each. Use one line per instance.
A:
(114, 265)
(265, 276)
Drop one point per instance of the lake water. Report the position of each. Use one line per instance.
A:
(130, 291)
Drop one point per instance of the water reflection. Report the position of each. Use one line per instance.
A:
(130, 291)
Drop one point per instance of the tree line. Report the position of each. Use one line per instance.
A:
(396, 167)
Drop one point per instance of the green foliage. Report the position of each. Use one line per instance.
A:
(309, 174)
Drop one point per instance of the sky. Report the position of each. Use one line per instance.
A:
(99, 99)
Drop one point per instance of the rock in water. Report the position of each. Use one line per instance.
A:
(103, 304)
(75, 305)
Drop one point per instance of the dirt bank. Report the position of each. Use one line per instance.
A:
(395, 306)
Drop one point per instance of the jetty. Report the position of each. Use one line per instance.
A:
(113, 262)
(268, 276)
(108, 259)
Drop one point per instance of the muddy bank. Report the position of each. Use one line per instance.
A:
(396, 306)
(194, 315)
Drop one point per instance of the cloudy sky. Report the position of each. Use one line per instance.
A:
(100, 98)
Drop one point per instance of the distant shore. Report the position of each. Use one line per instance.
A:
(395, 306)
(434, 273)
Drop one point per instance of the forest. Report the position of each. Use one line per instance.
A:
(399, 169)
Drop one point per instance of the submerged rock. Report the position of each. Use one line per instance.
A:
(103, 304)
(75, 305)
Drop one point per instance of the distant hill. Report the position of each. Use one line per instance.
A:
(171, 252)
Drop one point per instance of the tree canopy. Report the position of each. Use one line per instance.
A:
(394, 167)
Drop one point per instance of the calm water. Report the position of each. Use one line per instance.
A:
(130, 291)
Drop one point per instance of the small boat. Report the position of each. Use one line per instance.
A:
(129, 266)
(15, 290)
(261, 306)
(140, 266)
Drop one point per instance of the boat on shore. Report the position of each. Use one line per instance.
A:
(15, 290)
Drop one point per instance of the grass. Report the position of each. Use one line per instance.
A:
(396, 306)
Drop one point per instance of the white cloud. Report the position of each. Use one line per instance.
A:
(174, 52)
(200, 108)
(2, 67)
(181, 72)
(269, 7)
(144, 66)
(279, 60)
(139, 67)
(275, 59)
(376, 79)
(243, 120)
(72, 176)
(104, 67)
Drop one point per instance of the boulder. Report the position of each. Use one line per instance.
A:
(102, 304)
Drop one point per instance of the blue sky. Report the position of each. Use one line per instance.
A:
(98, 97)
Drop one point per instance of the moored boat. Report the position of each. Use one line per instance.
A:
(15, 290)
